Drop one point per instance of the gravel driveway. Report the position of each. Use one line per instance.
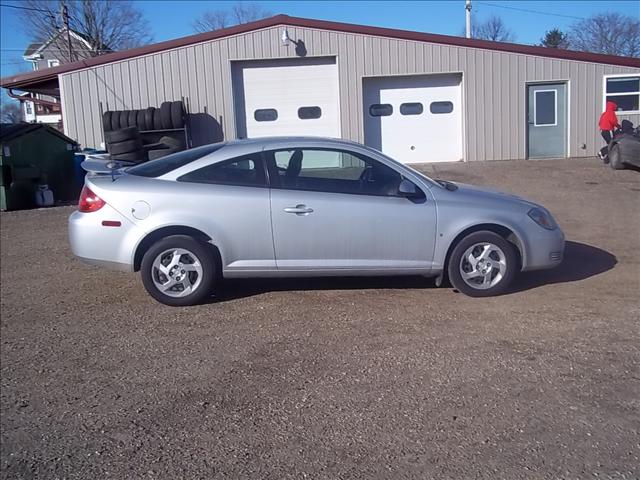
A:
(335, 378)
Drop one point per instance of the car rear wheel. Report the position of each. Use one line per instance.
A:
(178, 271)
(483, 264)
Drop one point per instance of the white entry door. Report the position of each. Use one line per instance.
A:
(287, 97)
(415, 119)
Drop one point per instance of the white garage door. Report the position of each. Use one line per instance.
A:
(287, 97)
(415, 119)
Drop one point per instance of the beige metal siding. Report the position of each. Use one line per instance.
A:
(494, 85)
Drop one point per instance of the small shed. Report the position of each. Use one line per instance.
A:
(33, 154)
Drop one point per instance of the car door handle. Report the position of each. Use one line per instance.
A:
(299, 210)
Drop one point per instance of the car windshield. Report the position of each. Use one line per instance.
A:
(161, 166)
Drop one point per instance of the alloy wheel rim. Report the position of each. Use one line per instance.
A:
(176, 272)
(483, 265)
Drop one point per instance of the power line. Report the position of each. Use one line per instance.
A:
(532, 11)
(27, 8)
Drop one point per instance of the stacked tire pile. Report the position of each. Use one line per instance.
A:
(165, 146)
(125, 144)
(123, 128)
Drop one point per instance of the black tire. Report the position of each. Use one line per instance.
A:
(106, 121)
(115, 120)
(492, 267)
(176, 143)
(148, 118)
(615, 157)
(157, 121)
(160, 152)
(127, 146)
(165, 115)
(121, 135)
(198, 250)
(137, 156)
(140, 120)
(123, 119)
(177, 114)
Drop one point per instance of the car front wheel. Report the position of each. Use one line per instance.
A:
(483, 264)
(178, 271)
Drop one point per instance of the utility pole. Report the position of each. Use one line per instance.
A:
(467, 7)
(65, 21)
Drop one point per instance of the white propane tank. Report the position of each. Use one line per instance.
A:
(44, 196)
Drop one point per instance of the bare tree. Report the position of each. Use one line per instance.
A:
(239, 13)
(493, 29)
(609, 33)
(104, 24)
(10, 111)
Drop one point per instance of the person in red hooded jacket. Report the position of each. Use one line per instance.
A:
(608, 123)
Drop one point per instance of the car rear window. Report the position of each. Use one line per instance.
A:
(161, 166)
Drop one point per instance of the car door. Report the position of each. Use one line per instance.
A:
(232, 196)
(336, 210)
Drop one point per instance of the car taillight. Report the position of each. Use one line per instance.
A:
(89, 201)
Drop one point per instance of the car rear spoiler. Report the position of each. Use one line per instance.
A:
(101, 164)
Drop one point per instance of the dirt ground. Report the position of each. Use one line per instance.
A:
(335, 378)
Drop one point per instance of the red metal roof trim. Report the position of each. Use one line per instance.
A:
(51, 73)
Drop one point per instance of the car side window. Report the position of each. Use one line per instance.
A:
(333, 171)
(244, 171)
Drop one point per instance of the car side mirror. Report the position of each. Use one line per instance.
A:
(408, 189)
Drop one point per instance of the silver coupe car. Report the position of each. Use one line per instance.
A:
(291, 207)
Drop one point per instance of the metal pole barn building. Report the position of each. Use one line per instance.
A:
(417, 97)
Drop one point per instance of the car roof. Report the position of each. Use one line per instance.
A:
(250, 145)
(267, 142)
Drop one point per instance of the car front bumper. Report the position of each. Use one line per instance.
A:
(545, 249)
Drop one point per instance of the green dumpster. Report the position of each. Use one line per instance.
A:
(32, 154)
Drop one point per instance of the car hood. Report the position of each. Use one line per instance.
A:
(474, 193)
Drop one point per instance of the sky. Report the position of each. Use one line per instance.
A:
(529, 19)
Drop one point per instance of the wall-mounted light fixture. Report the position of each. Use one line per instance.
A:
(301, 49)
(286, 40)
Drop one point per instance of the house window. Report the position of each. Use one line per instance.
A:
(266, 115)
(309, 113)
(545, 108)
(380, 110)
(53, 63)
(624, 91)
(28, 107)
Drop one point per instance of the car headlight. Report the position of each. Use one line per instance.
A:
(542, 218)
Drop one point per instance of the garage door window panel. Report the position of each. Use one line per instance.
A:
(333, 171)
(411, 108)
(625, 92)
(244, 171)
(380, 110)
(545, 108)
(265, 115)
(441, 107)
(309, 113)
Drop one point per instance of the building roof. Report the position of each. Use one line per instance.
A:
(24, 80)
(10, 131)
(35, 48)
(32, 48)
